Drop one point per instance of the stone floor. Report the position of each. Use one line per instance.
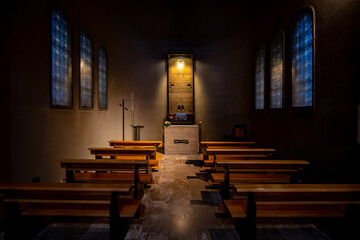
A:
(179, 206)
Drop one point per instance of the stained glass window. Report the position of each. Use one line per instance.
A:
(102, 77)
(277, 71)
(302, 59)
(86, 71)
(61, 71)
(259, 78)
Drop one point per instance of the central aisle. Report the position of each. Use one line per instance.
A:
(178, 207)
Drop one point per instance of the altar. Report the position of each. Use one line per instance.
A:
(181, 140)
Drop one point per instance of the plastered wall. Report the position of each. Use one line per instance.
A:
(137, 37)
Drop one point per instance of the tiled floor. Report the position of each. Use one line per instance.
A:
(179, 206)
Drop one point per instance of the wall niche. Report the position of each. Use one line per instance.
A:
(180, 90)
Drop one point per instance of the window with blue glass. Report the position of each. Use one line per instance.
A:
(277, 71)
(259, 78)
(102, 78)
(302, 59)
(61, 71)
(86, 71)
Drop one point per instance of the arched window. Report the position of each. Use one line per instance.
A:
(86, 72)
(303, 59)
(102, 78)
(277, 71)
(61, 70)
(259, 78)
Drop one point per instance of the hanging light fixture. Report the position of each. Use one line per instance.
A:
(180, 64)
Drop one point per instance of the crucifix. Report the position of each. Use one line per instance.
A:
(123, 122)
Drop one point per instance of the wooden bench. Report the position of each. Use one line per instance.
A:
(100, 152)
(291, 170)
(254, 171)
(23, 201)
(225, 144)
(210, 164)
(156, 144)
(236, 178)
(290, 201)
(123, 144)
(234, 153)
(153, 163)
(89, 177)
(75, 166)
(222, 144)
(240, 152)
(145, 152)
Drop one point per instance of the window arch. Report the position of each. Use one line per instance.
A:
(277, 71)
(86, 71)
(61, 60)
(102, 78)
(303, 59)
(259, 78)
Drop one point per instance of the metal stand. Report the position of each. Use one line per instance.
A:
(137, 131)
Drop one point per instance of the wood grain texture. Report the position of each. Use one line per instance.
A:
(261, 162)
(225, 143)
(252, 177)
(113, 177)
(298, 188)
(65, 187)
(115, 143)
(239, 150)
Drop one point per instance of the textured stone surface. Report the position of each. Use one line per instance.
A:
(189, 133)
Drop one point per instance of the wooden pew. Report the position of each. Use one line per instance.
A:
(75, 166)
(23, 201)
(257, 171)
(222, 144)
(156, 144)
(148, 153)
(290, 201)
(241, 152)
(125, 144)
(211, 163)
(235, 153)
(100, 152)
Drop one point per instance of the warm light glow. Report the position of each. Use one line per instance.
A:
(82, 63)
(180, 64)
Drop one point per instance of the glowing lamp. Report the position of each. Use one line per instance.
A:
(180, 64)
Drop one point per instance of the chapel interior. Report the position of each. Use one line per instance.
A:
(180, 67)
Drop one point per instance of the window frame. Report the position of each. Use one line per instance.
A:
(55, 106)
(101, 47)
(283, 97)
(312, 10)
(82, 31)
(264, 80)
